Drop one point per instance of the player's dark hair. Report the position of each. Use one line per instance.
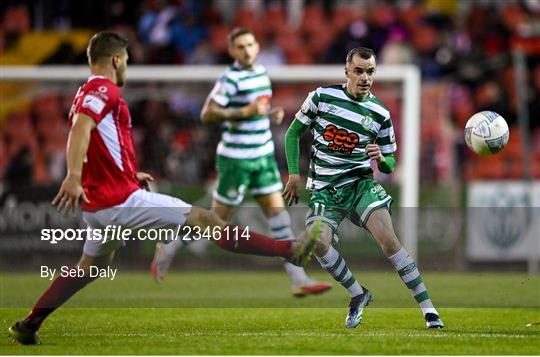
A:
(104, 45)
(363, 52)
(237, 32)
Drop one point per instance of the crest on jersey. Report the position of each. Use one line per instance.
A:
(368, 122)
(102, 89)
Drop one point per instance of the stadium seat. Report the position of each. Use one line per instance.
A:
(246, 17)
(218, 37)
(288, 39)
(46, 104)
(274, 19)
(535, 165)
(344, 15)
(299, 56)
(313, 19)
(3, 154)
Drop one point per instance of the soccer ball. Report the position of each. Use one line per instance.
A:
(486, 133)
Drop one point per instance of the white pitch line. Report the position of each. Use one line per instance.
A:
(436, 334)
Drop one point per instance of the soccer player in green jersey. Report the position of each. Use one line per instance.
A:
(351, 127)
(245, 161)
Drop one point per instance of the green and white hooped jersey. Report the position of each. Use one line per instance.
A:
(251, 137)
(342, 126)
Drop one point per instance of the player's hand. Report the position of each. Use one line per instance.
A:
(69, 195)
(144, 179)
(276, 115)
(260, 106)
(292, 189)
(374, 152)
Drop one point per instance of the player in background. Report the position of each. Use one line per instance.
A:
(102, 172)
(351, 127)
(245, 155)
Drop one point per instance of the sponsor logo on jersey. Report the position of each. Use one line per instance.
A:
(340, 140)
(93, 103)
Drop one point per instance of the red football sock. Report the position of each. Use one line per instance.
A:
(256, 243)
(58, 293)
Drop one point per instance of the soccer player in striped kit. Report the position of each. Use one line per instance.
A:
(350, 128)
(245, 161)
(102, 173)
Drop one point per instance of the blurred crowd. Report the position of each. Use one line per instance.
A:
(463, 49)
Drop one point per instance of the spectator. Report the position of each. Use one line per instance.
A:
(271, 54)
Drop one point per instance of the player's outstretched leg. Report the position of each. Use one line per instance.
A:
(302, 284)
(335, 265)
(297, 252)
(380, 226)
(61, 289)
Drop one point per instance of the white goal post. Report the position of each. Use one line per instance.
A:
(407, 75)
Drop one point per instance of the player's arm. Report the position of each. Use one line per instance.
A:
(384, 148)
(216, 110)
(386, 163)
(212, 112)
(71, 190)
(292, 152)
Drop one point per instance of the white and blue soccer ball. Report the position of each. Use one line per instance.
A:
(486, 133)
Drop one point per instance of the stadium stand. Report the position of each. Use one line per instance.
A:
(461, 48)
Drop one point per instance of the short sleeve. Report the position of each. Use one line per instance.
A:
(223, 90)
(309, 110)
(97, 101)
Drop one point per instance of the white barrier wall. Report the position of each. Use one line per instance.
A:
(503, 221)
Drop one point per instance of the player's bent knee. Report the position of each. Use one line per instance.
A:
(325, 240)
(321, 248)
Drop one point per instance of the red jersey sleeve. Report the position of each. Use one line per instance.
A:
(98, 98)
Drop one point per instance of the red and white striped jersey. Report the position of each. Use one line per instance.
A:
(109, 169)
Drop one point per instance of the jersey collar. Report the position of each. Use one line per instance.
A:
(344, 88)
(94, 76)
(235, 66)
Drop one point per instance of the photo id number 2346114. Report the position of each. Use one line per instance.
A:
(189, 233)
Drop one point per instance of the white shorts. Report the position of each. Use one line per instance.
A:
(142, 209)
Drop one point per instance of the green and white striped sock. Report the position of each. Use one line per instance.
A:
(335, 265)
(409, 273)
(280, 226)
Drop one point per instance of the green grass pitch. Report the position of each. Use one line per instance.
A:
(252, 313)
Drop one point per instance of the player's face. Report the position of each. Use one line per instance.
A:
(120, 65)
(360, 74)
(244, 50)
